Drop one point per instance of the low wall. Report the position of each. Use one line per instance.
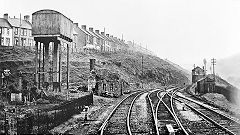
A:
(41, 121)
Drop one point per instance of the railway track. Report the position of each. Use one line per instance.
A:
(154, 99)
(165, 115)
(116, 121)
(217, 108)
(127, 117)
(213, 122)
(141, 120)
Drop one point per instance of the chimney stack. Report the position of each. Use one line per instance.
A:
(84, 27)
(5, 16)
(97, 31)
(91, 29)
(107, 35)
(27, 18)
(103, 33)
(76, 24)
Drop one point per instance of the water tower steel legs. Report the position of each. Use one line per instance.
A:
(60, 65)
(42, 62)
(39, 65)
(36, 61)
(57, 66)
(68, 66)
(46, 62)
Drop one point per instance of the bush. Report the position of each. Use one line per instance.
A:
(42, 101)
(1, 105)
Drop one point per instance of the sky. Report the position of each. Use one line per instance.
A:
(182, 31)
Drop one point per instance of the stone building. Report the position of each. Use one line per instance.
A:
(100, 40)
(205, 85)
(95, 41)
(6, 38)
(79, 38)
(197, 74)
(106, 44)
(21, 31)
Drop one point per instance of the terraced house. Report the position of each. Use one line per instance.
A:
(79, 38)
(5, 33)
(18, 33)
(106, 43)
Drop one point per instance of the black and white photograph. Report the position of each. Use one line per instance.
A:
(120, 67)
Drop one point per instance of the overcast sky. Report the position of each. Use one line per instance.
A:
(183, 31)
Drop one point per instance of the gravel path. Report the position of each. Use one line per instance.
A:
(187, 114)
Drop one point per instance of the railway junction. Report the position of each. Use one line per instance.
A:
(165, 109)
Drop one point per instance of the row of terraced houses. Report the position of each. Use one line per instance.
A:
(18, 32)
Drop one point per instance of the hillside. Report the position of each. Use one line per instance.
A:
(116, 65)
(229, 69)
(184, 71)
(228, 90)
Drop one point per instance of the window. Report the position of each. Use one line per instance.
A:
(25, 32)
(88, 40)
(30, 33)
(95, 40)
(7, 41)
(29, 42)
(7, 32)
(23, 42)
(91, 40)
(16, 31)
(2, 41)
(3, 31)
(22, 32)
(16, 41)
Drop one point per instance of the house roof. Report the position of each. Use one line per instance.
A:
(208, 77)
(85, 31)
(197, 68)
(99, 35)
(105, 37)
(15, 22)
(4, 23)
(92, 33)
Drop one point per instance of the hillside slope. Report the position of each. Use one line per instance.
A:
(127, 67)
(229, 69)
(184, 71)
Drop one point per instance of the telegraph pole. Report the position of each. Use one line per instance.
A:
(213, 61)
(142, 71)
(1, 29)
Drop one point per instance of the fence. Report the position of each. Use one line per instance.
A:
(41, 121)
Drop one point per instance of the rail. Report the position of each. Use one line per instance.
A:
(208, 118)
(154, 116)
(101, 129)
(178, 121)
(129, 113)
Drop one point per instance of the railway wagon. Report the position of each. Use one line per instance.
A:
(51, 23)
